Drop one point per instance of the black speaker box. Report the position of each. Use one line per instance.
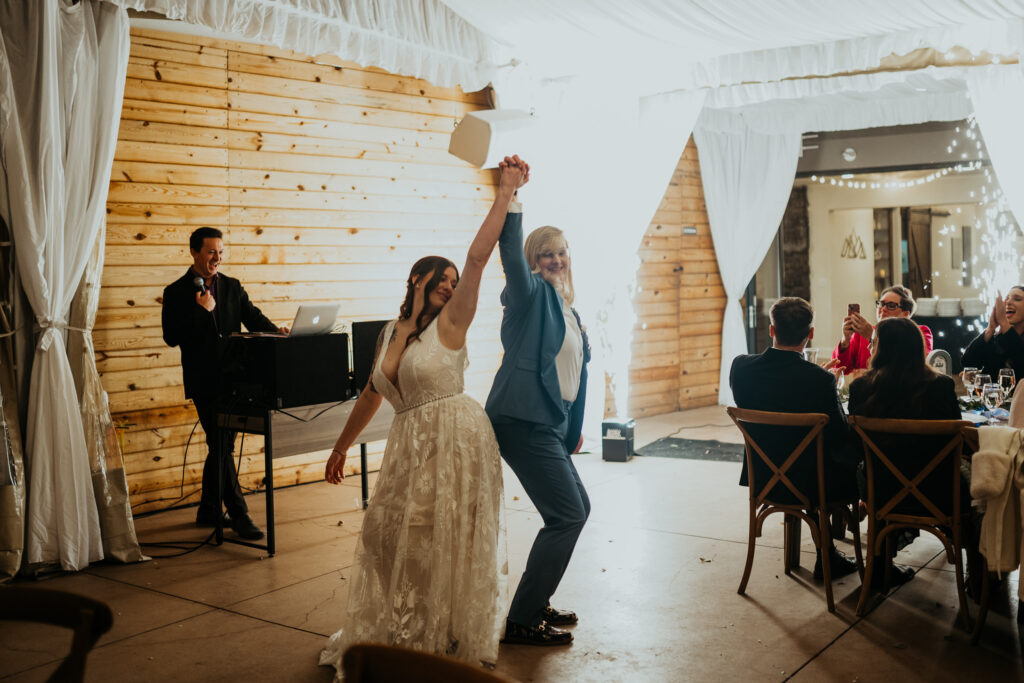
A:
(284, 372)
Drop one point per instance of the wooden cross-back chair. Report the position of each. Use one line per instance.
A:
(88, 618)
(811, 507)
(908, 500)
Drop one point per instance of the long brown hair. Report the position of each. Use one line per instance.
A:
(898, 375)
(425, 266)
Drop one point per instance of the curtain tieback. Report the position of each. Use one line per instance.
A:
(49, 329)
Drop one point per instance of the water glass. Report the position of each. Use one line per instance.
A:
(1006, 382)
(969, 375)
(980, 380)
(991, 395)
(811, 355)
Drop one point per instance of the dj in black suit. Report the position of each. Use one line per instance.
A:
(201, 309)
(780, 380)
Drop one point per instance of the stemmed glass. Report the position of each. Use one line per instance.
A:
(991, 395)
(969, 376)
(980, 380)
(1006, 382)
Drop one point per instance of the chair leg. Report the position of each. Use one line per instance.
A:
(791, 543)
(986, 596)
(869, 568)
(750, 551)
(824, 541)
(854, 526)
(961, 592)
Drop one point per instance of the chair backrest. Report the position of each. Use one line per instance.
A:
(88, 618)
(792, 472)
(913, 467)
(940, 361)
(369, 663)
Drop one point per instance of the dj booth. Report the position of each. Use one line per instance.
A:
(297, 392)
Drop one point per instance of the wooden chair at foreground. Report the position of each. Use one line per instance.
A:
(88, 618)
(779, 491)
(914, 482)
(370, 663)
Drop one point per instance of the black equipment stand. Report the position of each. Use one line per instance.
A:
(294, 431)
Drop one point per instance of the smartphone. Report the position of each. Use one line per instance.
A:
(852, 308)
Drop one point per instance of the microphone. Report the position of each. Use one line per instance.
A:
(199, 284)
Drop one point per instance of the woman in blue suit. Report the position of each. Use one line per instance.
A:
(536, 407)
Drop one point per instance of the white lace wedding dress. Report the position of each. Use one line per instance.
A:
(430, 570)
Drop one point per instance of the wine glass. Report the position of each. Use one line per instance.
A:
(840, 379)
(991, 395)
(969, 375)
(980, 380)
(1006, 381)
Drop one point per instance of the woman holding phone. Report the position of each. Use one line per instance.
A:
(854, 348)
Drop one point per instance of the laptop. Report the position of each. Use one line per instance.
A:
(313, 319)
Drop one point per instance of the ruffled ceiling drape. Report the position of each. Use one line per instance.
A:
(420, 38)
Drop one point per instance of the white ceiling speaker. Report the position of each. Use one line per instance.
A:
(484, 138)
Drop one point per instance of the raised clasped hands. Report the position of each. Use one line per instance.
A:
(334, 472)
(514, 173)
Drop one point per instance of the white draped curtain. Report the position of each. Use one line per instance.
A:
(747, 178)
(997, 96)
(600, 160)
(62, 74)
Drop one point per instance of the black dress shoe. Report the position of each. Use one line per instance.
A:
(205, 519)
(839, 566)
(897, 576)
(558, 617)
(541, 634)
(246, 528)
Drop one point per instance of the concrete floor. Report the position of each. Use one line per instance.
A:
(653, 579)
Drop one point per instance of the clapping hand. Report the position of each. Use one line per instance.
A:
(999, 314)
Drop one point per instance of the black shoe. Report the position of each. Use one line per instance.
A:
(557, 617)
(897, 576)
(839, 566)
(541, 634)
(205, 519)
(245, 528)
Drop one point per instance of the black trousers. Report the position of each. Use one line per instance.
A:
(219, 443)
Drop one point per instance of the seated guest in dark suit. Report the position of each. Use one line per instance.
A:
(899, 384)
(201, 309)
(1001, 345)
(780, 380)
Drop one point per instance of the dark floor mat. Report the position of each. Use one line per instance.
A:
(693, 449)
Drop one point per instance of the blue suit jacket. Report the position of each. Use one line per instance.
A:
(532, 331)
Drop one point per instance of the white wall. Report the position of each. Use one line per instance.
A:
(832, 212)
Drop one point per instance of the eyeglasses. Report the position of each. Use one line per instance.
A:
(889, 305)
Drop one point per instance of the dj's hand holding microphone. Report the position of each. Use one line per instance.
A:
(203, 296)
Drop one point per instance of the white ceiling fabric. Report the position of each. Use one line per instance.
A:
(660, 45)
(421, 38)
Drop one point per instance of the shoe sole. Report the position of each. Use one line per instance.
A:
(524, 641)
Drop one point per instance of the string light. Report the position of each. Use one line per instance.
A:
(897, 184)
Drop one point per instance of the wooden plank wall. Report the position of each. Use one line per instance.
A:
(328, 180)
(680, 303)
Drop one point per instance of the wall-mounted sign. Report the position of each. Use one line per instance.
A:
(853, 247)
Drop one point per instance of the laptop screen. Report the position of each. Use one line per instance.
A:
(314, 319)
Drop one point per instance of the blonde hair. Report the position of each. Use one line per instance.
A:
(543, 239)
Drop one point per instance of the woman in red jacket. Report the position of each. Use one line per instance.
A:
(854, 351)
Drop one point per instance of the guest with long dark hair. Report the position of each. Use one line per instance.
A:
(899, 384)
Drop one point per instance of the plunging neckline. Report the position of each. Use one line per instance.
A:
(398, 368)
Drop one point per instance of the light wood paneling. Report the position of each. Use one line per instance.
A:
(328, 180)
(680, 303)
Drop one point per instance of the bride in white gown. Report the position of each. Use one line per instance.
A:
(430, 567)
